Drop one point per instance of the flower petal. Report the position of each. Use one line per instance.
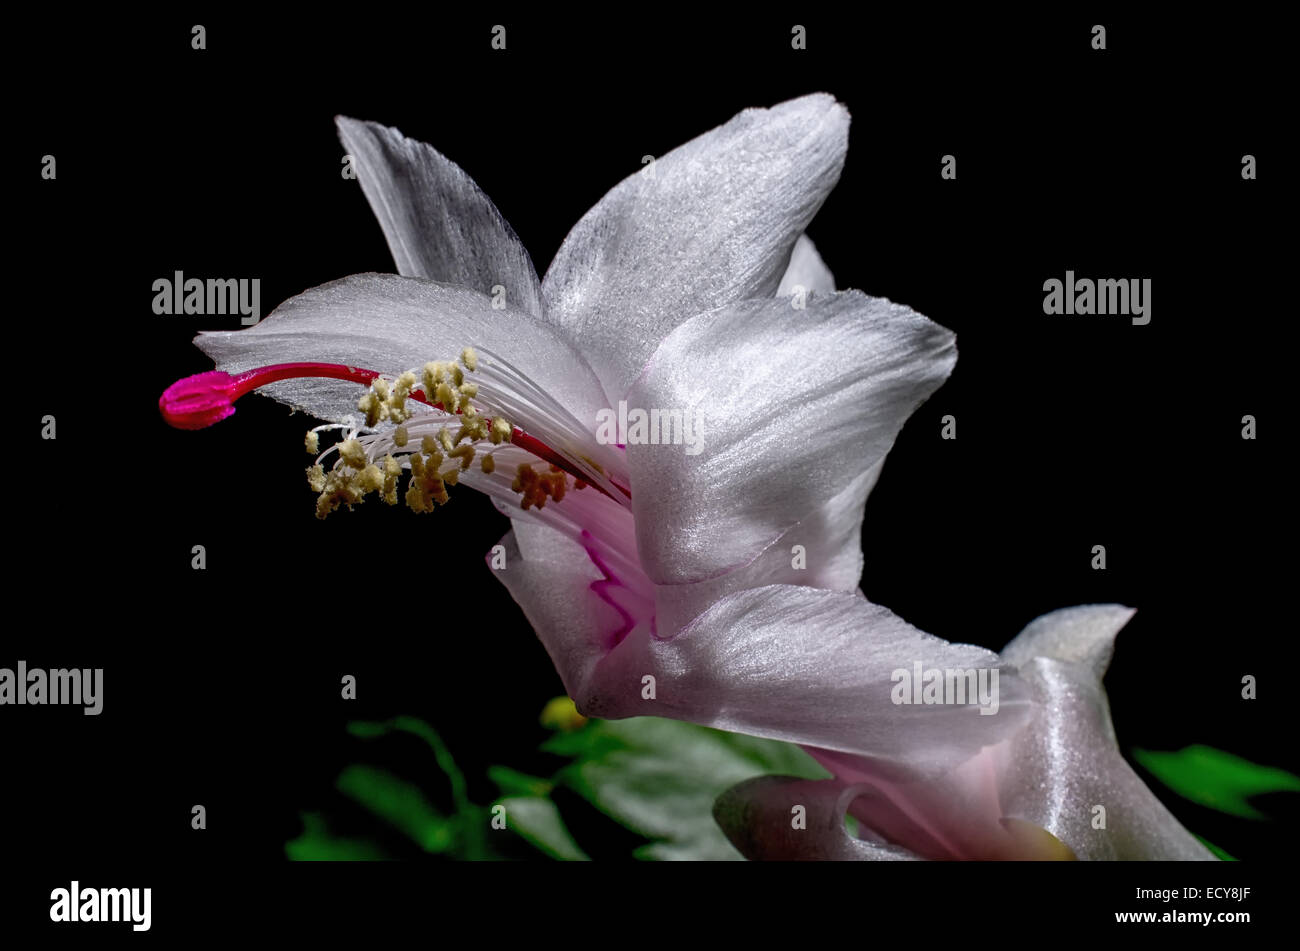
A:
(759, 817)
(1033, 795)
(710, 223)
(390, 324)
(1066, 764)
(796, 405)
(807, 666)
(806, 270)
(1083, 635)
(439, 224)
(554, 590)
(829, 556)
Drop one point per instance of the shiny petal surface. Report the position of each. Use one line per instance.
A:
(822, 550)
(710, 223)
(1035, 794)
(1082, 635)
(806, 270)
(1066, 765)
(808, 666)
(439, 224)
(390, 324)
(795, 405)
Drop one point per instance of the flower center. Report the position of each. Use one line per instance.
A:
(204, 399)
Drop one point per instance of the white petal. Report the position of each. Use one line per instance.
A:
(438, 222)
(1083, 635)
(829, 556)
(796, 404)
(806, 270)
(390, 324)
(1066, 764)
(576, 626)
(710, 223)
(807, 666)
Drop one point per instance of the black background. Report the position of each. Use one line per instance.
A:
(222, 686)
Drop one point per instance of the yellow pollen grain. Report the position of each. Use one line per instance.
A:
(316, 478)
(353, 453)
(487, 465)
(444, 437)
(469, 358)
(449, 398)
(465, 453)
(371, 406)
(400, 437)
(501, 431)
(392, 472)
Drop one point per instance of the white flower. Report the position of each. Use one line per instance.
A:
(679, 567)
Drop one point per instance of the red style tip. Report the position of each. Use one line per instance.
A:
(199, 401)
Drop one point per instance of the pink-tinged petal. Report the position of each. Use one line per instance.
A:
(1034, 794)
(807, 666)
(575, 602)
(781, 818)
(439, 224)
(822, 550)
(390, 324)
(1066, 764)
(796, 404)
(708, 224)
(806, 270)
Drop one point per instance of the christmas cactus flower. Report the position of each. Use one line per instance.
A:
(683, 421)
(1056, 788)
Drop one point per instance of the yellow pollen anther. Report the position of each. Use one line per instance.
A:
(449, 398)
(465, 453)
(353, 453)
(371, 405)
(354, 475)
(392, 472)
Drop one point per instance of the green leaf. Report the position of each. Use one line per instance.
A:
(399, 803)
(537, 820)
(1217, 779)
(660, 778)
(1224, 856)
(316, 844)
(417, 727)
(511, 782)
